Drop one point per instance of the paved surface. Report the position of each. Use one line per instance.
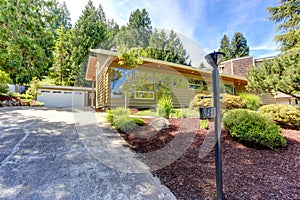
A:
(69, 154)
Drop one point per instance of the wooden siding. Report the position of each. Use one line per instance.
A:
(102, 89)
(267, 99)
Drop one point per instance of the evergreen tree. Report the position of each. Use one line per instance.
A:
(89, 32)
(25, 39)
(239, 46)
(167, 48)
(140, 27)
(278, 75)
(287, 17)
(225, 48)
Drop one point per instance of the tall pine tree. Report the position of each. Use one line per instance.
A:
(225, 48)
(90, 32)
(287, 17)
(239, 46)
(25, 39)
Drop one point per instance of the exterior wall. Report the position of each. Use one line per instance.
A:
(284, 101)
(237, 67)
(102, 89)
(267, 99)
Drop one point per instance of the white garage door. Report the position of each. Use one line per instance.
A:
(59, 98)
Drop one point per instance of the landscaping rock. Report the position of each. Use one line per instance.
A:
(160, 123)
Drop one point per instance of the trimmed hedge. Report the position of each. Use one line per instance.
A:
(253, 129)
(197, 102)
(283, 115)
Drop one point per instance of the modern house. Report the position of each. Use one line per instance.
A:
(141, 87)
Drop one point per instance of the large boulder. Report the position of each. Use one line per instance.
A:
(160, 123)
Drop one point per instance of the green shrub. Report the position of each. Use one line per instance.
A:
(4, 80)
(178, 113)
(204, 123)
(124, 123)
(229, 102)
(252, 101)
(165, 106)
(197, 102)
(284, 115)
(138, 121)
(120, 118)
(253, 129)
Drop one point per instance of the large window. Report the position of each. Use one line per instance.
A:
(163, 85)
(229, 89)
(144, 85)
(121, 82)
(180, 82)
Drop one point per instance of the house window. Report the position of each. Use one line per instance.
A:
(229, 89)
(297, 102)
(144, 84)
(195, 84)
(180, 82)
(121, 82)
(163, 85)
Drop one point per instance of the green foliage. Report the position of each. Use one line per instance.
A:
(89, 32)
(232, 102)
(61, 16)
(25, 39)
(120, 118)
(33, 89)
(252, 101)
(189, 113)
(178, 114)
(287, 16)
(16, 95)
(278, 75)
(197, 102)
(146, 113)
(204, 123)
(284, 115)
(239, 46)
(4, 80)
(253, 129)
(225, 48)
(166, 47)
(63, 70)
(138, 121)
(129, 57)
(165, 106)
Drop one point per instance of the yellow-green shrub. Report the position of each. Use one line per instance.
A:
(284, 115)
(253, 129)
(197, 102)
(252, 101)
(229, 102)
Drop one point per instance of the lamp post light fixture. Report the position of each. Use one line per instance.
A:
(214, 59)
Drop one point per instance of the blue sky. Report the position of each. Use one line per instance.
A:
(200, 23)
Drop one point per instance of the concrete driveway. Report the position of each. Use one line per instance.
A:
(69, 154)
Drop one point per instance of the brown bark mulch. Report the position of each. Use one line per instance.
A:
(247, 173)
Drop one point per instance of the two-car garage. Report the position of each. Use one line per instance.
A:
(61, 96)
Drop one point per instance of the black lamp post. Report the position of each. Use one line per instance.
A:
(214, 59)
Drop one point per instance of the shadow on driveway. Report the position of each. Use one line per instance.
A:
(69, 154)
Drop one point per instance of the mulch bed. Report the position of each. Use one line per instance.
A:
(247, 173)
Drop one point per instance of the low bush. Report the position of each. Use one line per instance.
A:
(120, 118)
(252, 101)
(253, 129)
(283, 115)
(229, 102)
(204, 123)
(165, 106)
(139, 121)
(197, 102)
